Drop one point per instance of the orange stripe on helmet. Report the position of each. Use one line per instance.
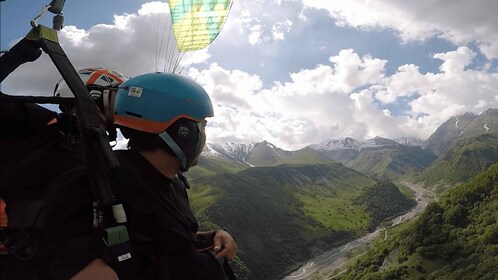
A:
(99, 72)
(52, 121)
(115, 77)
(154, 127)
(95, 76)
(3, 214)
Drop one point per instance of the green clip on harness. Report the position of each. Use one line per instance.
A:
(118, 248)
(116, 235)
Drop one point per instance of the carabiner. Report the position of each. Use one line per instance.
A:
(45, 8)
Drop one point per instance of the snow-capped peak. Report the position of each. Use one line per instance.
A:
(337, 144)
(409, 141)
(349, 143)
(231, 150)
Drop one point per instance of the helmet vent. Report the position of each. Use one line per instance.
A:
(134, 114)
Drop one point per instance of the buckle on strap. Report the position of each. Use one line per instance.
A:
(116, 235)
(118, 245)
(117, 253)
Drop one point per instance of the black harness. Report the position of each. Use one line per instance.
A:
(26, 241)
(97, 153)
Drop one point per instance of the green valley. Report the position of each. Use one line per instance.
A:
(283, 215)
(454, 239)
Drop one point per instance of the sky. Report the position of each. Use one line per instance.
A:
(292, 72)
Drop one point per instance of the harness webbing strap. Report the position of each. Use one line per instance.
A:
(37, 99)
(71, 244)
(228, 270)
(94, 138)
(22, 52)
(97, 153)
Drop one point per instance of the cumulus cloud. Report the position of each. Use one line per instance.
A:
(255, 35)
(344, 99)
(347, 93)
(455, 61)
(280, 28)
(134, 43)
(261, 22)
(458, 21)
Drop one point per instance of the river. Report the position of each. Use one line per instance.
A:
(336, 257)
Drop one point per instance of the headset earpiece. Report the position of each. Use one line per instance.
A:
(185, 133)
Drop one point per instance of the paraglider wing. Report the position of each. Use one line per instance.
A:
(196, 23)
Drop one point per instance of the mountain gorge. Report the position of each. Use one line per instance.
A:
(284, 207)
(454, 239)
(285, 214)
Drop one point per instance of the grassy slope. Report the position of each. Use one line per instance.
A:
(280, 214)
(214, 165)
(467, 158)
(392, 162)
(456, 239)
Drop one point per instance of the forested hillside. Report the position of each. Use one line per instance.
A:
(384, 200)
(284, 215)
(466, 158)
(454, 239)
(392, 161)
(297, 204)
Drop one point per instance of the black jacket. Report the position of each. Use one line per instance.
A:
(161, 224)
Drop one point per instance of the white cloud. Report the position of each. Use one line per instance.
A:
(347, 72)
(315, 105)
(260, 22)
(405, 82)
(455, 61)
(349, 94)
(459, 21)
(322, 102)
(280, 28)
(133, 44)
(255, 36)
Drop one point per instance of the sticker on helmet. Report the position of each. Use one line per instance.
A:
(96, 94)
(135, 92)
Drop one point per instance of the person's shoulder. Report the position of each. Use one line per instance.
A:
(126, 158)
(40, 113)
(126, 173)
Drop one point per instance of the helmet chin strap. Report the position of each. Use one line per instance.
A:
(176, 149)
(184, 161)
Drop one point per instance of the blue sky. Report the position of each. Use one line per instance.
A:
(294, 72)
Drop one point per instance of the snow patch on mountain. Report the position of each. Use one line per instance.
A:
(337, 144)
(231, 150)
(352, 144)
(485, 126)
(409, 141)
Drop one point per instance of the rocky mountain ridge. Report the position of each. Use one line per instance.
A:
(457, 127)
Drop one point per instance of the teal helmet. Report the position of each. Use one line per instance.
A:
(152, 103)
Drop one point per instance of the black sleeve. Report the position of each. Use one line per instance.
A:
(20, 120)
(149, 210)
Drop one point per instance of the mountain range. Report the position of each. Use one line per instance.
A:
(376, 157)
(284, 207)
